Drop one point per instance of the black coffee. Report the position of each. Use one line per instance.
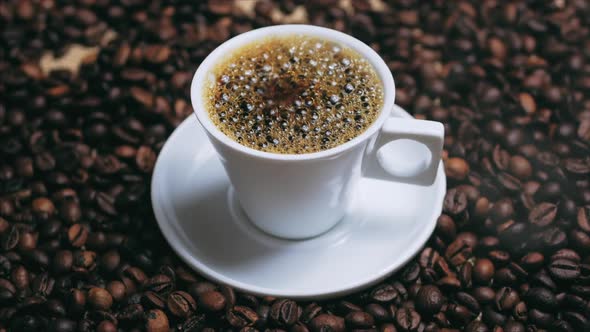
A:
(294, 94)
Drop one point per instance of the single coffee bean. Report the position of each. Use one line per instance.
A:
(100, 298)
(229, 295)
(181, 304)
(484, 295)
(458, 252)
(456, 168)
(543, 214)
(384, 293)
(583, 218)
(563, 269)
(476, 326)
(543, 279)
(359, 319)
(378, 312)
(541, 298)
(466, 275)
(513, 326)
(532, 261)
(455, 202)
(505, 277)
(240, 316)
(540, 318)
(117, 290)
(212, 300)
(468, 301)
(506, 299)
(326, 322)
(77, 235)
(520, 311)
(63, 261)
(429, 300)
(106, 326)
(407, 319)
(70, 211)
(483, 271)
(445, 226)
(20, 277)
(310, 311)
(195, 289)
(285, 312)
(502, 210)
(492, 317)
(110, 260)
(156, 321)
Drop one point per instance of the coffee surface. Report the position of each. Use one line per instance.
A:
(293, 95)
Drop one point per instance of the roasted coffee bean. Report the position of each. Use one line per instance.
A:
(476, 326)
(181, 304)
(326, 322)
(77, 235)
(459, 315)
(407, 319)
(563, 269)
(240, 316)
(100, 298)
(540, 318)
(310, 311)
(429, 300)
(543, 214)
(506, 299)
(229, 295)
(106, 326)
(483, 271)
(541, 298)
(468, 301)
(156, 321)
(458, 252)
(455, 202)
(384, 293)
(359, 319)
(492, 317)
(211, 300)
(520, 311)
(285, 312)
(484, 295)
(378, 312)
(513, 326)
(532, 261)
(117, 290)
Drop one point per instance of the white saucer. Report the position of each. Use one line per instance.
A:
(198, 215)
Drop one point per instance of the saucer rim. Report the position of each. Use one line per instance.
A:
(170, 234)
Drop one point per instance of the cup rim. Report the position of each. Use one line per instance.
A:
(199, 78)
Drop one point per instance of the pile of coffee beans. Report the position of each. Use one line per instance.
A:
(79, 138)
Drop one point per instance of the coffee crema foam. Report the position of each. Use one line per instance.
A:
(293, 95)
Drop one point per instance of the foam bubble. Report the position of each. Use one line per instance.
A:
(274, 95)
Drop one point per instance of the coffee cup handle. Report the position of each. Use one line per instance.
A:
(405, 150)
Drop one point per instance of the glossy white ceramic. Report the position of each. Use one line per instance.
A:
(196, 209)
(301, 196)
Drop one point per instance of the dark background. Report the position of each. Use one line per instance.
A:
(89, 91)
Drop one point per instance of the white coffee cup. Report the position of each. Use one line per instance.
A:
(304, 195)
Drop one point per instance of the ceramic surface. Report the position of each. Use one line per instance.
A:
(386, 224)
(297, 196)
